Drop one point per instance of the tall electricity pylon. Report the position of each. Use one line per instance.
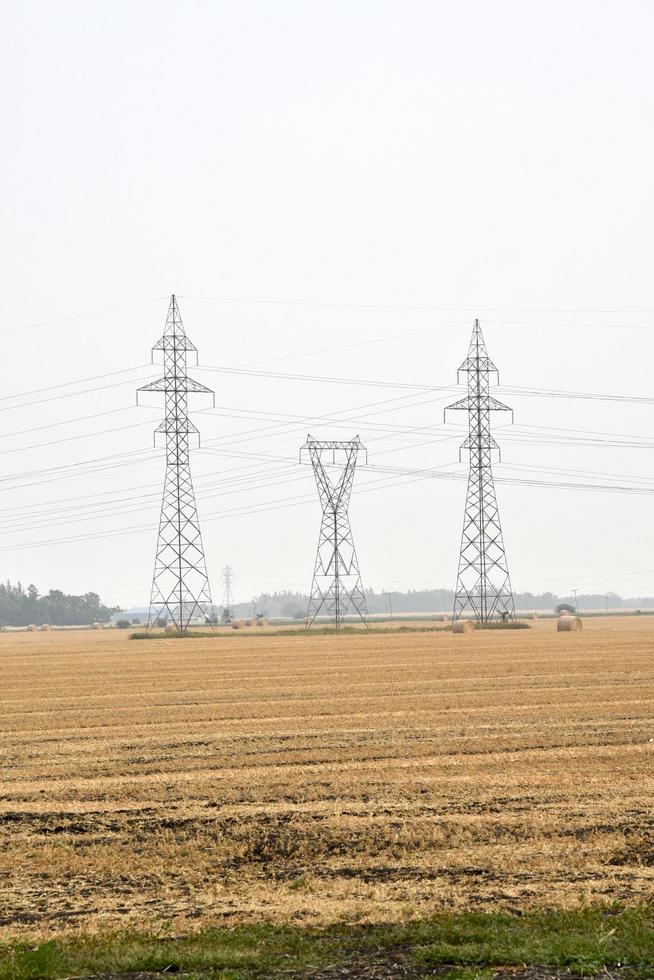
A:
(483, 585)
(180, 586)
(336, 588)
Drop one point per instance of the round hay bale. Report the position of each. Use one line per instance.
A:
(247, 622)
(31, 628)
(45, 628)
(463, 626)
(262, 621)
(236, 624)
(533, 615)
(98, 626)
(170, 628)
(566, 624)
(442, 618)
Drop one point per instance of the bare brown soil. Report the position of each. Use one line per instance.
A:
(177, 783)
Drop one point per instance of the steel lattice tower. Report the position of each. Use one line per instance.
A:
(180, 586)
(336, 588)
(483, 585)
(226, 614)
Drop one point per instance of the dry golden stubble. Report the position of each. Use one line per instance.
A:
(314, 778)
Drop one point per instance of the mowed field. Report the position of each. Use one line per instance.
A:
(180, 783)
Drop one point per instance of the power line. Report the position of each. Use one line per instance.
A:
(283, 503)
(407, 475)
(254, 434)
(586, 395)
(84, 435)
(55, 425)
(82, 316)
(400, 430)
(104, 494)
(506, 389)
(282, 424)
(410, 307)
(515, 481)
(363, 343)
(593, 326)
(72, 394)
(81, 468)
(321, 379)
(94, 511)
(517, 434)
(77, 381)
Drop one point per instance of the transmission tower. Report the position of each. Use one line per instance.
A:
(228, 602)
(180, 587)
(336, 588)
(483, 585)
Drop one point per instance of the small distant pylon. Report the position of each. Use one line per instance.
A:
(228, 602)
(180, 586)
(483, 585)
(336, 589)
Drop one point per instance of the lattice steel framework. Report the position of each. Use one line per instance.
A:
(180, 586)
(228, 603)
(483, 584)
(336, 589)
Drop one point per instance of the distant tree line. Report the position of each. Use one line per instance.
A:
(293, 605)
(20, 607)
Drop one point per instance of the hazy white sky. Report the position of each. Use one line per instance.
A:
(398, 168)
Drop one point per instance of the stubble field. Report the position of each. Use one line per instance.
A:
(179, 783)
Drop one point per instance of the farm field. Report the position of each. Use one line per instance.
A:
(177, 784)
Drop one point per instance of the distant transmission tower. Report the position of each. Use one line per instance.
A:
(180, 587)
(228, 602)
(336, 588)
(483, 585)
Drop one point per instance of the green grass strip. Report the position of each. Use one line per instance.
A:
(586, 942)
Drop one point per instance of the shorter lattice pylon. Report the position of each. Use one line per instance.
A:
(228, 603)
(336, 589)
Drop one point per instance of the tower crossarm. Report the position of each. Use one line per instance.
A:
(190, 385)
(182, 426)
(479, 362)
(175, 337)
(333, 445)
(472, 403)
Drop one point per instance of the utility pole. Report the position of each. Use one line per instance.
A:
(336, 586)
(390, 603)
(228, 602)
(483, 584)
(574, 591)
(180, 586)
